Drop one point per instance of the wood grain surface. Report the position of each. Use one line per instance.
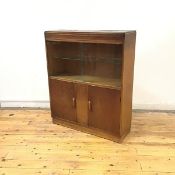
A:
(31, 144)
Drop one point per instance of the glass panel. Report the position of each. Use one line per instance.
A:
(96, 64)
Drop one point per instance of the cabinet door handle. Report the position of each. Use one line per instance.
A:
(89, 105)
(74, 102)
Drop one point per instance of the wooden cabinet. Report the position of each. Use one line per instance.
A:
(90, 77)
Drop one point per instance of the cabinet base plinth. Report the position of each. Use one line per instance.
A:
(88, 130)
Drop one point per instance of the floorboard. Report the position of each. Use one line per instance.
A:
(30, 144)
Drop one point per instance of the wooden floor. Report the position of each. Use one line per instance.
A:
(31, 144)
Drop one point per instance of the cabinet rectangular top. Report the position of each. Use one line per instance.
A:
(89, 36)
(90, 31)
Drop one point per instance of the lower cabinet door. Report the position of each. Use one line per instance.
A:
(63, 101)
(104, 109)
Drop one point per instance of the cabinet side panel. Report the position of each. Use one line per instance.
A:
(127, 82)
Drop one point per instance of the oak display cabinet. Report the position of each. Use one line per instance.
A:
(90, 76)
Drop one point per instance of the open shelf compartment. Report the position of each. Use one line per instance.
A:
(90, 80)
(89, 63)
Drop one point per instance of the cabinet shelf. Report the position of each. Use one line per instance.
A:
(91, 59)
(111, 83)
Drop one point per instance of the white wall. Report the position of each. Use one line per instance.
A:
(23, 75)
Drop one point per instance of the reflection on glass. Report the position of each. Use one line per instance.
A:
(95, 64)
